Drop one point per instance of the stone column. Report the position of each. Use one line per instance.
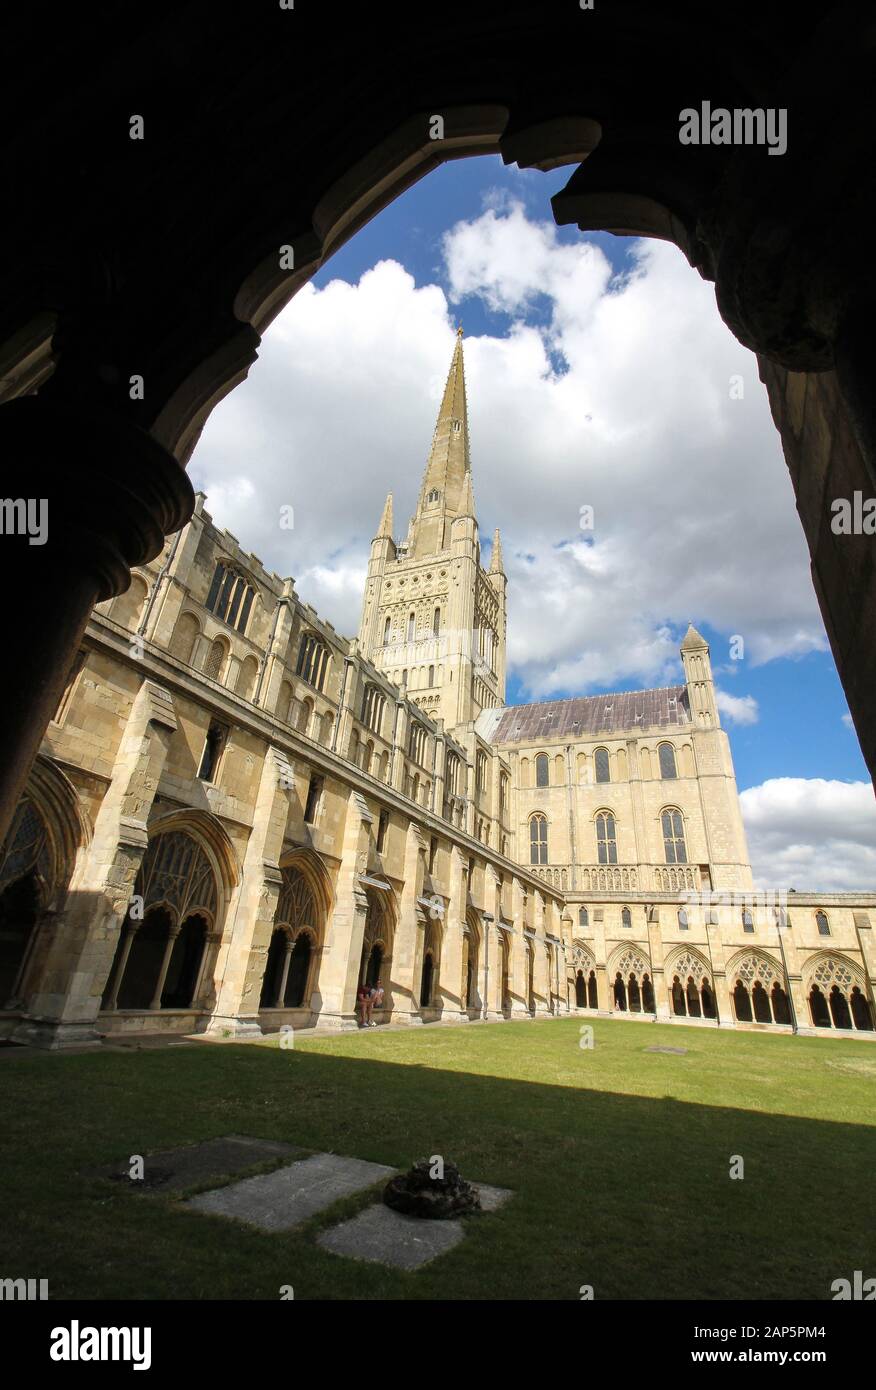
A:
(541, 979)
(519, 979)
(90, 525)
(450, 979)
(284, 974)
(249, 920)
(407, 951)
(658, 976)
(491, 963)
(342, 957)
(172, 935)
(65, 998)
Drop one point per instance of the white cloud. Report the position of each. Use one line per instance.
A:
(738, 709)
(618, 399)
(811, 834)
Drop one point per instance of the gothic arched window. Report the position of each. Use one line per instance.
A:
(673, 833)
(583, 917)
(626, 918)
(538, 844)
(230, 597)
(542, 770)
(666, 754)
(822, 923)
(606, 838)
(602, 765)
(313, 661)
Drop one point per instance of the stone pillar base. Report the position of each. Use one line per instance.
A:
(55, 1035)
(494, 1016)
(337, 1023)
(243, 1026)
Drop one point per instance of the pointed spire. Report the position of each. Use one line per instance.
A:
(384, 530)
(466, 502)
(448, 461)
(496, 556)
(693, 640)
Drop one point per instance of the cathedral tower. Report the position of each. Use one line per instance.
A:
(433, 618)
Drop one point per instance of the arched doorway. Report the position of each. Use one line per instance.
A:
(376, 961)
(160, 958)
(20, 908)
(469, 989)
(426, 981)
(429, 972)
(580, 990)
(292, 966)
(36, 862)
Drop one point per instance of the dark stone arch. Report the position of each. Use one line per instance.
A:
(679, 998)
(19, 915)
(185, 963)
(592, 991)
(648, 1003)
(141, 972)
(742, 1003)
(620, 993)
(760, 1003)
(862, 1016)
(780, 1004)
(818, 1008)
(426, 980)
(693, 998)
(272, 980)
(634, 995)
(708, 1000)
(580, 990)
(299, 971)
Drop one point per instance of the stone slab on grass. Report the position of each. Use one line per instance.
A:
(289, 1196)
(177, 1170)
(678, 1051)
(380, 1235)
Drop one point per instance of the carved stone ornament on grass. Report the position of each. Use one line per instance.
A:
(417, 1193)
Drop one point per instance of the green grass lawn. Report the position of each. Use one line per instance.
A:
(619, 1160)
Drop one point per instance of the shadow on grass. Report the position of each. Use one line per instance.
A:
(629, 1193)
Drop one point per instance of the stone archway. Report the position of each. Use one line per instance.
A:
(375, 967)
(291, 975)
(757, 989)
(836, 991)
(36, 865)
(172, 927)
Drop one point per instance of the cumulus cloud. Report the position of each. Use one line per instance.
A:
(808, 833)
(737, 709)
(600, 391)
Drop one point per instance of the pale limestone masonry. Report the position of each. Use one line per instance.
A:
(238, 815)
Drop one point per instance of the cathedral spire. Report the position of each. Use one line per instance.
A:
(384, 530)
(496, 556)
(449, 462)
